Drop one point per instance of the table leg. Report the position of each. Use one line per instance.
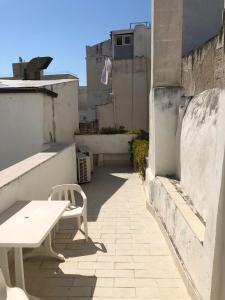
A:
(19, 272)
(4, 265)
(45, 250)
(49, 251)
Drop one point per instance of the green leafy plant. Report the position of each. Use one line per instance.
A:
(133, 131)
(113, 130)
(139, 148)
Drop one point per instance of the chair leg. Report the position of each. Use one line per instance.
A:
(79, 222)
(57, 228)
(53, 235)
(85, 225)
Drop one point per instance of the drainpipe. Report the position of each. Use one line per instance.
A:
(114, 107)
(132, 96)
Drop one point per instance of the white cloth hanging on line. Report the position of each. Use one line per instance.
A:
(106, 72)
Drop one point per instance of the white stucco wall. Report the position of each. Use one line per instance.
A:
(32, 178)
(21, 127)
(30, 121)
(105, 143)
(164, 115)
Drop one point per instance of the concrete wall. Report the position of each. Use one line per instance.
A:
(131, 83)
(202, 19)
(204, 68)
(166, 42)
(33, 178)
(105, 115)
(122, 74)
(130, 89)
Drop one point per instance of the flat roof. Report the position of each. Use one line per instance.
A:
(122, 31)
(11, 83)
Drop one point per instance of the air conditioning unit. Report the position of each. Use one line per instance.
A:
(83, 168)
(85, 150)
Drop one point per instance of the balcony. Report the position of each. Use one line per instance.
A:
(126, 257)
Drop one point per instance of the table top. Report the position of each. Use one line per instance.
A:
(27, 223)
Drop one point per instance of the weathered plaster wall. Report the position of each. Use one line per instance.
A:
(201, 204)
(198, 147)
(204, 67)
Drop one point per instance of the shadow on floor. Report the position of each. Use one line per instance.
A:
(59, 284)
(46, 277)
(106, 181)
(70, 241)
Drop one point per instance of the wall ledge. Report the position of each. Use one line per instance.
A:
(177, 259)
(19, 169)
(195, 224)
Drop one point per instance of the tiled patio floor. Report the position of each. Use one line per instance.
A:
(126, 257)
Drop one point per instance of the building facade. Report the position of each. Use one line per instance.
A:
(124, 100)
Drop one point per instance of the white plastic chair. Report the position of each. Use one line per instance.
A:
(66, 192)
(9, 293)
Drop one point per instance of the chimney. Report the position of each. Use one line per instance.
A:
(35, 66)
(18, 69)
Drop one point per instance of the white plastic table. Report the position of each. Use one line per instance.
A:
(27, 224)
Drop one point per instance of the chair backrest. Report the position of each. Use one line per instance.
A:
(3, 287)
(66, 192)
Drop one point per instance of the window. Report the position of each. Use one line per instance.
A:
(119, 40)
(123, 40)
(127, 40)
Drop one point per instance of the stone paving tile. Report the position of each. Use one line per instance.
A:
(126, 257)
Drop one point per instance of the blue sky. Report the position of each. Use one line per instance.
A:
(62, 29)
